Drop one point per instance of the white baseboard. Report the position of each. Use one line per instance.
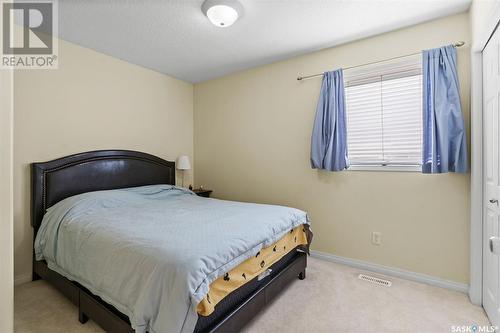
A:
(23, 278)
(392, 271)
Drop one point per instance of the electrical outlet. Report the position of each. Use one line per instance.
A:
(376, 238)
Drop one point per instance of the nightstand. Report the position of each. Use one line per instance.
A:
(202, 193)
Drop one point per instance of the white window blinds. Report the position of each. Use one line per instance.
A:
(384, 113)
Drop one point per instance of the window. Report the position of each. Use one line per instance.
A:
(384, 115)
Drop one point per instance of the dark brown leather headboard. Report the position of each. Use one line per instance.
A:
(56, 180)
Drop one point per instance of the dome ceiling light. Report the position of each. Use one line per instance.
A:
(222, 13)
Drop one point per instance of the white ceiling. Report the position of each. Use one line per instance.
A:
(175, 38)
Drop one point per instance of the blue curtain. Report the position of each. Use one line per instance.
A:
(329, 136)
(444, 141)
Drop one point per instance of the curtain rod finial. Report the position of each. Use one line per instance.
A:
(299, 78)
(460, 43)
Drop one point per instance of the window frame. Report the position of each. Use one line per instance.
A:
(365, 73)
(391, 167)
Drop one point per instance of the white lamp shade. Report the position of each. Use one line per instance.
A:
(222, 16)
(183, 163)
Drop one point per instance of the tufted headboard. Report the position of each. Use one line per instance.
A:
(56, 180)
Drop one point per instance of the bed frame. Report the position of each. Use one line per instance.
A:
(56, 180)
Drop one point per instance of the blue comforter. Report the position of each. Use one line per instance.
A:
(153, 251)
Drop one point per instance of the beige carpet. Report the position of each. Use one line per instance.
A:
(330, 299)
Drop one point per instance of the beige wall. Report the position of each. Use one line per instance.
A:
(6, 203)
(252, 137)
(92, 102)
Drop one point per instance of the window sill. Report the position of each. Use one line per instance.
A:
(390, 168)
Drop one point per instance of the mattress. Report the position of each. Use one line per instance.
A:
(254, 267)
(232, 301)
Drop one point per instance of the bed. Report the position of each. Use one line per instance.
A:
(80, 187)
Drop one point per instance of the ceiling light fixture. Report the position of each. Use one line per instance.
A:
(222, 13)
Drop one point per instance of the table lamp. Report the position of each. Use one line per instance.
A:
(182, 165)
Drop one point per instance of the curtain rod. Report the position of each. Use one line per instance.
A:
(300, 78)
